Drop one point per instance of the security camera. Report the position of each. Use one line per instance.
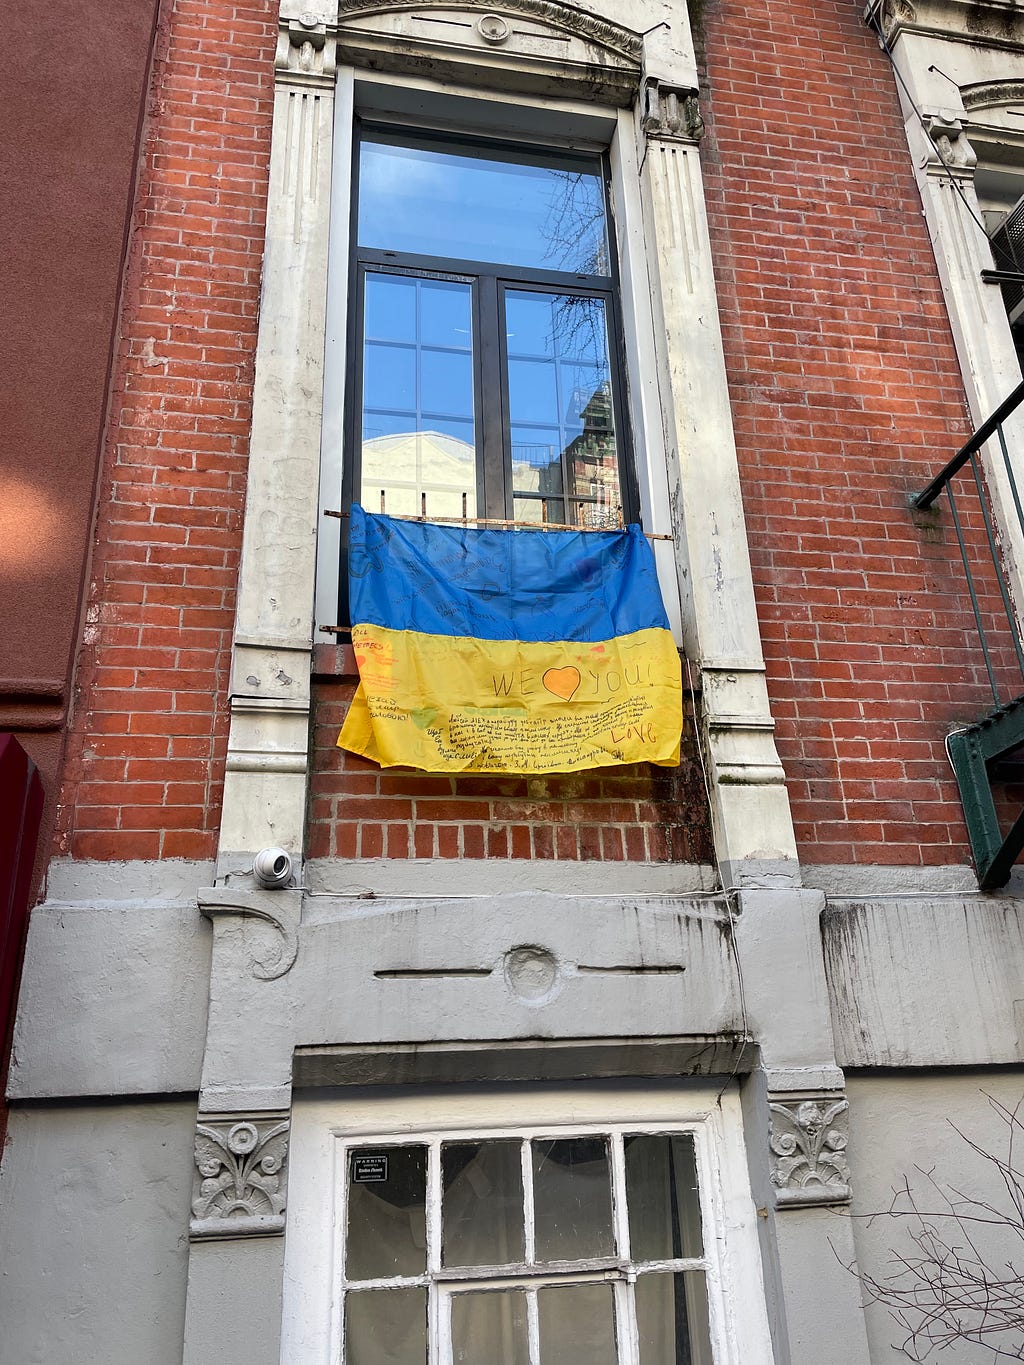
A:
(272, 868)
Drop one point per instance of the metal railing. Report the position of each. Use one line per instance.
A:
(967, 455)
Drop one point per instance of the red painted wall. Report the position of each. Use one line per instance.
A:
(21, 809)
(72, 113)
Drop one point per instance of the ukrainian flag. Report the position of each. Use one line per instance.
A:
(508, 651)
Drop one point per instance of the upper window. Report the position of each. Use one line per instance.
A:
(486, 382)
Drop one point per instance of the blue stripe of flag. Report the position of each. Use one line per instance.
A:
(501, 584)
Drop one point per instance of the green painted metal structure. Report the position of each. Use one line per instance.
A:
(974, 749)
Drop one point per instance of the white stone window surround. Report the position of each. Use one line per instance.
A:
(424, 104)
(324, 1128)
(677, 400)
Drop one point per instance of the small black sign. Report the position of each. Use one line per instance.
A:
(368, 1168)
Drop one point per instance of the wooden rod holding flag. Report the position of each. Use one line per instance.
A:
(497, 521)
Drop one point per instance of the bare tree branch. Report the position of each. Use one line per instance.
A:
(952, 1285)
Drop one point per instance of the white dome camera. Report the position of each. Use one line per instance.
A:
(272, 868)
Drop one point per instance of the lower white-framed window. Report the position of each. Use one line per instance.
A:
(544, 1226)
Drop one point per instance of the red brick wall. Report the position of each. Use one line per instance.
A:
(145, 757)
(846, 396)
(846, 393)
(147, 746)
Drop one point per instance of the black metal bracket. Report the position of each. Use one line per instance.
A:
(971, 750)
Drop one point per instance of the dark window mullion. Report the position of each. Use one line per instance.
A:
(629, 491)
(558, 281)
(352, 430)
(418, 372)
(492, 370)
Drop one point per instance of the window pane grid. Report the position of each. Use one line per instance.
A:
(435, 1197)
(446, 430)
(418, 394)
(660, 1309)
(561, 410)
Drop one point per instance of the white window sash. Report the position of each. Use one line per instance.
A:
(323, 1133)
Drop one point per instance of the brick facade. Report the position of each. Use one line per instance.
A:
(845, 392)
(846, 398)
(147, 748)
(145, 758)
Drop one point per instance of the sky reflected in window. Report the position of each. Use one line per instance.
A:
(538, 211)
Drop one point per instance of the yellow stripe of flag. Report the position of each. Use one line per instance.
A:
(450, 703)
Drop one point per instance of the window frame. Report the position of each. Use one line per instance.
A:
(490, 281)
(327, 1125)
(621, 1269)
(420, 102)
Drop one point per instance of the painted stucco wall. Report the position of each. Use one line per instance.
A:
(906, 1125)
(115, 985)
(93, 1234)
(925, 981)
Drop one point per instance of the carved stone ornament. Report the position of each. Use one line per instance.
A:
(954, 154)
(240, 1180)
(993, 95)
(890, 15)
(671, 114)
(492, 28)
(305, 52)
(279, 909)
(575, 21)
(807, 1141)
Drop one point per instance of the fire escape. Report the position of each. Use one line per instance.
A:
(977, 751)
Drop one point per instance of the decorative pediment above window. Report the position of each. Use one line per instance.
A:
(994, 121)
(532, 46)
(981, 23)
(994, 97)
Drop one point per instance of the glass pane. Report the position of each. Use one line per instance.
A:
(661, 1194)
(482, 1207)
(444, 316)
(536, 460)
(387, 1227)
(418, 419)
(390, 308)
(672, 1319)
(577, 1325)
(560, 407)
(549, 511)
(572, 1199)
(533, 390)
(528, 324)
(389, 376)
(542, 210)
(490, 1329)
(447, 379)
(386, 1327)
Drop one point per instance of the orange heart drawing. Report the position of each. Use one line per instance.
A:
(563, 682)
